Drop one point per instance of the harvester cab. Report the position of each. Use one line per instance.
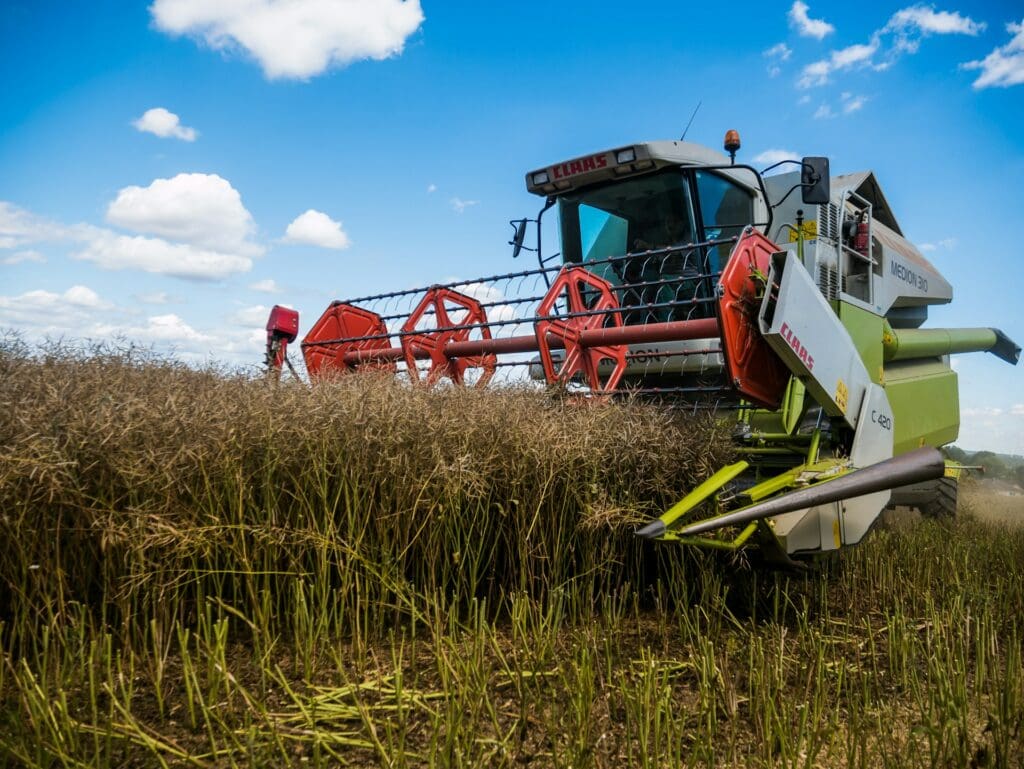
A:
(689, 279)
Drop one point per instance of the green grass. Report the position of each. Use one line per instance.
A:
(201, 570)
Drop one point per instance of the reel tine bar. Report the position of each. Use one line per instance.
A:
(438, 304)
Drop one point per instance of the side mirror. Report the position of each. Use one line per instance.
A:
(518, 236)
(815, 182)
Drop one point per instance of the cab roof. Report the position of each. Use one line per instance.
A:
(625, 161)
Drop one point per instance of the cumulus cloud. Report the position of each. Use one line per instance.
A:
(901, 34)
(852, 103)
(203, 210)
(267, 286)
(198, 257)
(24, 256)
(49, 312)
(295, 38)
(160, 122)
(459, 205)
(805, 25)
(158, 328)
(315, 228)
(929, 21)
(824, 112)
(1004, 66)
(112, 251)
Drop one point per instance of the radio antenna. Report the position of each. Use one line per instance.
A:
(681, 138)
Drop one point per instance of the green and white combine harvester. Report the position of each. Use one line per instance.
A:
(688, 279)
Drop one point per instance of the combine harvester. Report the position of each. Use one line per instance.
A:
(687, 278)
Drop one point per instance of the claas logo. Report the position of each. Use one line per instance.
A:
(574, 167)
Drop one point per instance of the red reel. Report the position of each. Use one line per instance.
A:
(431, 343)
(581, 292)
(341, 330)
(757, 373)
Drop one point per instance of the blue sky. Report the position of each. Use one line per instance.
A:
(168, 171)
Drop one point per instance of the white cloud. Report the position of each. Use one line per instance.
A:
(24, 256)
(1017, 409)
(256, 315)
(815, 73)
(83, 296)
(203, 210)
(19, 227)
(295, 38)
(805, 25)
(1004, 66)
(160, 122)
(853, 55)
(779, 51)
(139, 209)
(50, 312)
(824, 112)
(858, 55)
(267, 286)
(945, 244)
(901, 34)
(79, 314)
(497, 309)
(773, 156)
(158, 328)
(315, 228)
(180, 260)
(431, 188)
(929, 21)
(853, 103)
(459, 205)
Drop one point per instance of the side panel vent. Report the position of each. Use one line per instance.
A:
(828, 281)
(828, 222)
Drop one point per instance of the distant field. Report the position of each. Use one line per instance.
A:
(205, 571)
(996, 501)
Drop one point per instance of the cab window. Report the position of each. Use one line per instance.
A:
(726, 208)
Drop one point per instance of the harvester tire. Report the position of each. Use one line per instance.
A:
(943, 503)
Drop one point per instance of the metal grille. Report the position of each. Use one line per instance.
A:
(828, 281)
(828, 222)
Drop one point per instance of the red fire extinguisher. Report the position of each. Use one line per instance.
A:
(862, 239)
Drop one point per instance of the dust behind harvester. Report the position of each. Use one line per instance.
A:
(688, 279)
